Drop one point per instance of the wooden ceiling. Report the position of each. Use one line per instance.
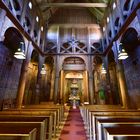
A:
(96, 7)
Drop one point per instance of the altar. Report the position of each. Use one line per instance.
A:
(74, 97)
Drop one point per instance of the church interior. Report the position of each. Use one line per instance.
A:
(65, 69)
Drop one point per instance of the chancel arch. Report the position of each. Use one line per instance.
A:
(73, 73)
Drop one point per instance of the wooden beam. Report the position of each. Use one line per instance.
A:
(70, 25)
(103, 5)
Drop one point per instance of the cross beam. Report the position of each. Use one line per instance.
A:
(103, 5)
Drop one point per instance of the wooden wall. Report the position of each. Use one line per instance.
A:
(10, 68)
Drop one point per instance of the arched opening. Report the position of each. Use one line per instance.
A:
(32, 88)
(74, 85)
(10, 67)
(130, 40)
(98, 80)
(132, 64)
(12, 39)
(112, 91)
(46, 80)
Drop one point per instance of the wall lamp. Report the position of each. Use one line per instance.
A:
(103, 70)
(20, 53)
(43, 69)
(122, 54)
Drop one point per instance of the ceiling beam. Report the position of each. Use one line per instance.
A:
(103, 5)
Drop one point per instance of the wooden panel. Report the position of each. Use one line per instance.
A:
(67, 15)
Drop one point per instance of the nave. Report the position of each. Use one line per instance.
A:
(69, 69)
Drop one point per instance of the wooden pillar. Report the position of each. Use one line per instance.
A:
(21, 86)
(90, 80)
(62, 85)
(91, 91)
(56, 90)
(22, 81)
(122, 85)
(108, 83)
(86, 91)
(52, 85)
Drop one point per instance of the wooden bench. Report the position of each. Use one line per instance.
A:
(46, 114)
(55, 115)
(40, 126)
(90, 113)
(43, 106)
(102, 122)
(58, 108)
(86, 113)
(19, 119)
(107, 113)
(17, 133)
(111, 133)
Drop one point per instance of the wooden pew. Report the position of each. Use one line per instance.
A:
(91, 111)
(95, 114)
(17, 133)
(46, 114)
(112, 122)
(40, 126)
(58, 108)
(43, 106)
(135, 137)
(86, 113)
(111, 133)
(29, 120)
(55, 116)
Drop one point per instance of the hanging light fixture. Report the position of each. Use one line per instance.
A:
(103, 70)
(122, 54)
(43, 69)
(20, 53)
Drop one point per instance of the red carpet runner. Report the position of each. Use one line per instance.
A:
(74, 127)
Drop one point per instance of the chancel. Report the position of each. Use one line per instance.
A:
(70, 69)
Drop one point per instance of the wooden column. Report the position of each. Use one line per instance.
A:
(90, 85)
(86, 91)
(56, 90)
(62, 85)
(52, 85)
(122, 85)
(22, 81)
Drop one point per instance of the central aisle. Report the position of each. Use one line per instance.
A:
(74, 127)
